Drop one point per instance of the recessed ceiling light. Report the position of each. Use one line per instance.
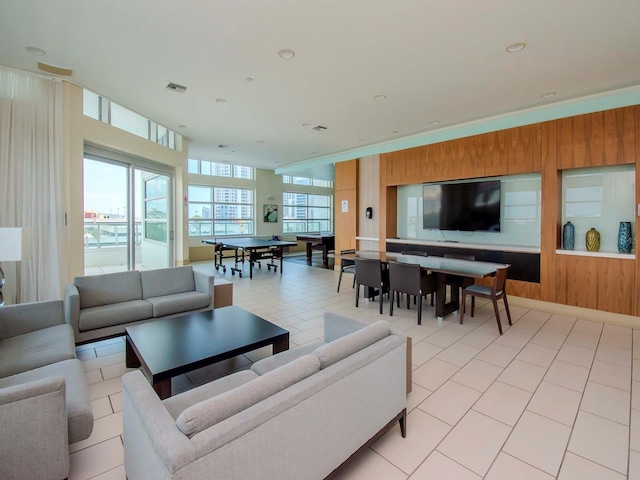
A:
(362, 141)
(516, 47)
(548, 95)
(35, 51)
(182, 126)
(435, 122)
(380, 97)
(248, 79)
(286, 53)
(394, 132)
(314, 153)
(306, 125)
(221, 100)
(260, 142)
(222, 145)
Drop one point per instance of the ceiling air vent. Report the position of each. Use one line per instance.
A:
(319, 128)
(176, 88)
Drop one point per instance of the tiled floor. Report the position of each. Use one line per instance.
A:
(554, 397)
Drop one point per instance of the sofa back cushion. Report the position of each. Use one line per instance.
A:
(167, 281)
(98, 290)
(209, 412)
(336, 350)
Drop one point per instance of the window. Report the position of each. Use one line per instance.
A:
(305, 212)
(155, 208)
(306, 181)
(205, 167)
(218, 211)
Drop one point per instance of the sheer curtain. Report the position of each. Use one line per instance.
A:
(31, 172)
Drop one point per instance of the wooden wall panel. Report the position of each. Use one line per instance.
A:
(636, 297)
(551, 211)
(524, 149)
(523, 289)
(496, 161)
(346, 175)
(346, 188)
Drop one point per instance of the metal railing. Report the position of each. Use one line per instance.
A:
(109, 233)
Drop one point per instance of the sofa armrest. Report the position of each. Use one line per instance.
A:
(34, 437)
(29, 317)
(72, 307)
(204, 284)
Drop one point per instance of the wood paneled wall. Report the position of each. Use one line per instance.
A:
(346, 188)
(610, 137)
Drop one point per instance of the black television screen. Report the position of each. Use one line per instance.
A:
(466, 207)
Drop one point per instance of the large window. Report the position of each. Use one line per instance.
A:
(313, 182)
(155, 208)
(205, 167)
(305, 212)
(218, 211)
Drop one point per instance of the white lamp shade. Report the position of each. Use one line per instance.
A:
(14, 244)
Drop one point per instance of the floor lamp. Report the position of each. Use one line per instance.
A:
(13, 248)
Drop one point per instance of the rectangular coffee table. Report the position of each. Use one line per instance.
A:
(169, 347)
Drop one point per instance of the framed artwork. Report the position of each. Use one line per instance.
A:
(270, 213)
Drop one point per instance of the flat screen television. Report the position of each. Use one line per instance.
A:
(465, 207)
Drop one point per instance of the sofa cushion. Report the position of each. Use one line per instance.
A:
(213, 410)
(271, 363)
(167, 281)
(97, 290)
(178, 303)
(115, 314)
(79, 411)
(341, 348)
(35, 349)
(178, 403)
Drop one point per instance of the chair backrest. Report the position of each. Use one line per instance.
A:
(500, 280)
(347, 263)
(368, 272)
(404, 277)
(471, 258)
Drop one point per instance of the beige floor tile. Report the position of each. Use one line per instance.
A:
(85, 354)
(446, 336)
(583, 339)
(500, 355)
(110, 349)
(634, 465)
(617, 336)
(612, 375)
(522, 375)
(555, 402)
(105, 361)
(539, 441)
(480, 338)
(458, 354)
(600, 440)
(549, 339)
(423, 352)
(433, 374)
(634, 437)
(117, 473)
(107, 387)
(424, 433)
(116, 402)
(537, 355)
(371, 466)
(567, 375)
(578, 468)
(308, 335)
(103, 429)
(93, 376)
(576, 355)
(450, 402)
(607, 402)
(513, 339)
(439, 467)
(507, 467)
(477, 375)
(616, 355)
(113, 371)
(101, 407)
(475, 442)
(635, 395)
(95, 460)
(635, 371)
(503, 402)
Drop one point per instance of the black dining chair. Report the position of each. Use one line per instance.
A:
(411, 279)
(370, 273)
(495, 292)
(457, 281)
(348, 266)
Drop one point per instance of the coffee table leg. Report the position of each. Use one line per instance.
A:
(163, 388)
(281, 344)
(131, 359)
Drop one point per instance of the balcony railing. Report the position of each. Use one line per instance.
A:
(109, 233)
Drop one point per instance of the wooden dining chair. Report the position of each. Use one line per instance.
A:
(495, 292)
(411, 279)
(348, 266)
(370, 273)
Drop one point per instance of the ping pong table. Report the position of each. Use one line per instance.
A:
(252, 248)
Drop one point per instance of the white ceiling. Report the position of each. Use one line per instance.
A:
(434, 60)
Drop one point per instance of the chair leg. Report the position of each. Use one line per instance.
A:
(461, 310)
(339, 280)
(381, 301)
(419, 309)
(473, 304)
(391, 294)
(495, 309)
(506, 308)
(357, 293)
(398, 298)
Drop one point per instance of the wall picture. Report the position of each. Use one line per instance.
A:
(270, 213)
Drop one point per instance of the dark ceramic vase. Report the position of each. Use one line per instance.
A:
(568, 236)
(624, 237)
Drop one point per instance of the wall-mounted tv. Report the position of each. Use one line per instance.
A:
(462, 206)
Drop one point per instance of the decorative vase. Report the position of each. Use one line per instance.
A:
(593, 240)
(568, 236)
(624, 237)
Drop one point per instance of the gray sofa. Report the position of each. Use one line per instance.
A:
(101, 306)
(44, 397)
(297, 415)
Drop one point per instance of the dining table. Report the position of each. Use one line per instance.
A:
(440, 267)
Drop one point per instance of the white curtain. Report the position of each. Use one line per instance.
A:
(31, 173)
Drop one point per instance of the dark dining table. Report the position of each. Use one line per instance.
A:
(440, 267)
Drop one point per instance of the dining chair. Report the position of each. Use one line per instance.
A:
(495, 292)
(457, 281)
(419, 254)
(411, 279)
(370, 273)
(348, 266)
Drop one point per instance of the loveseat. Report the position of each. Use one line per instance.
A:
(44, 397)
(297, 415)
(101, 306)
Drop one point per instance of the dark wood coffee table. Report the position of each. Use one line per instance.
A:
(169, 347)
